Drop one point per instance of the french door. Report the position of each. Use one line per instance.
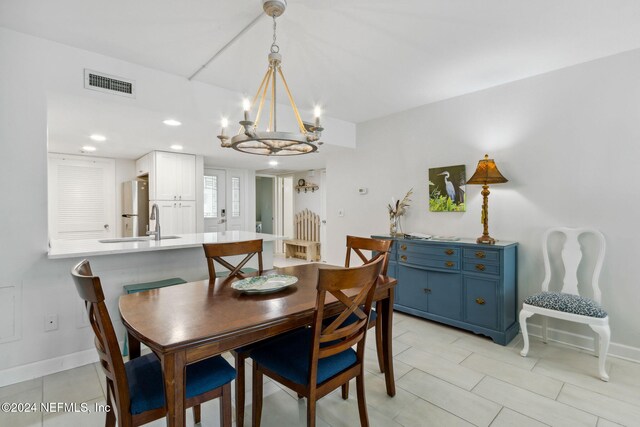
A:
(215, 211)
(224, 200)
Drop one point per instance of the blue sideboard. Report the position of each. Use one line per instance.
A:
(460, 283)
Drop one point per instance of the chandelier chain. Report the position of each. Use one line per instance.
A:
(274, 46)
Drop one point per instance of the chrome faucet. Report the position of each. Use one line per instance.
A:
(155, 215)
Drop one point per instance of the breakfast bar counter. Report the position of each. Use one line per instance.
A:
(93, 247)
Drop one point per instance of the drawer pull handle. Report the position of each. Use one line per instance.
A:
(449, 252)
(403, 257)
(480, 267)
(403, 247)
(427, 290)
(449, 264)
(480, 301)
(480, 254)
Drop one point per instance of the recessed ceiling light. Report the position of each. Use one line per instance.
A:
(172, 122)
(99, 138)
(273, 162)
(176, 147)
(88, 148)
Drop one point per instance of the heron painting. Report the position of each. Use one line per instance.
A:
(447, 189)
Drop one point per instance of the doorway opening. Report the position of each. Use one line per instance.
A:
(296, 194)
(265, 204)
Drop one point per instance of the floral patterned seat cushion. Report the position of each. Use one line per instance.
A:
(567, 303)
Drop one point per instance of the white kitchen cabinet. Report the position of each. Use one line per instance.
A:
(173, 177)
(175, 217)
(186, 217)
(143, 165)
(187, 174)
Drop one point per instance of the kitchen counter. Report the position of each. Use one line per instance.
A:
(92, 247)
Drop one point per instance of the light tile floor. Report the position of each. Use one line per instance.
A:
(445, 377)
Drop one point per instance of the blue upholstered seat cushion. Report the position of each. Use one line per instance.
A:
(146, 384)
(567, 303)
(289, 356)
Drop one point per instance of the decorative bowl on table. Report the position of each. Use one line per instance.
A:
(264, 284)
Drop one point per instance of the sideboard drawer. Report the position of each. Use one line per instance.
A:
(435, 262)
(482, 255)
(420, 249)
(480, 267)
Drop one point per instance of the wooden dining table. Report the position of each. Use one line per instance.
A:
(186, 323)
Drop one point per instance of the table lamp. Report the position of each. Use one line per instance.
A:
(486, 173)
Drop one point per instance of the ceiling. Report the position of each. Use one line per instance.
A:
(132, 132)
(360, 59)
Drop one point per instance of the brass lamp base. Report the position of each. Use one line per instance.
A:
(487, 240)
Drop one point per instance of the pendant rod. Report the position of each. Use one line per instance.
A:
(273, 101)
(293, 104)
(262, 98)
(229, 43)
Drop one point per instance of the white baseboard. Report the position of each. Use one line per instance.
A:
(52, 366)
(47, 367)
(584, 342)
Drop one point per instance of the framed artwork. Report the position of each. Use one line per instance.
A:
(447, 189)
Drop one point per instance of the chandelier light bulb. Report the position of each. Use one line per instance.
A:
(223, 124)
(246, 106)
(317, 111)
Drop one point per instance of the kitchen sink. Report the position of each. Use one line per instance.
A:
(136, 239)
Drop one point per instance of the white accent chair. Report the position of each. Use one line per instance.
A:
(568, 304)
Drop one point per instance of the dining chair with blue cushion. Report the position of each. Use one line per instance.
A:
(317, 360)
(219, 253)
(379, 248)
(573, 259)
(135, 389)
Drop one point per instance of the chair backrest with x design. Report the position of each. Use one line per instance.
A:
(90, 290)
(378, 247)
(336, 337)
(216, 252)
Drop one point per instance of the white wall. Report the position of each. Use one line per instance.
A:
(309, 200)
(31, 69)
(568, 142)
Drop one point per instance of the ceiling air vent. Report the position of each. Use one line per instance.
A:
(110, 84)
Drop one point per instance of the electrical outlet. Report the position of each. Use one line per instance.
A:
(51, 322)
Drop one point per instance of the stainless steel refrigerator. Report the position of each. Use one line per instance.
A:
(135, 208)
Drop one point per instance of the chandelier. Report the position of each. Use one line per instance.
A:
(270, 141)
